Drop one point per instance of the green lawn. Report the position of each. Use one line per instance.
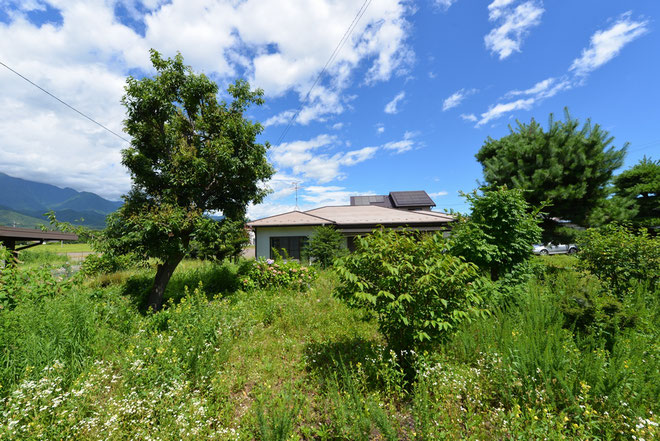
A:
(58, 247)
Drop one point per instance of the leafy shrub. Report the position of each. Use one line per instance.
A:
(95, 264)
(418, 291)
(42, 257)
(18, 284)
(621, 257)
(268, 273)
(499, 233)
(325, 245)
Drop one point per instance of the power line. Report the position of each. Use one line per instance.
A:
(66, 104)
(645, 146)
(332, 58)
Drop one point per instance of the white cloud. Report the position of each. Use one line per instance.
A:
(280, 118)
(268, 208)
(543, 89)
(304, 159)
(280, 45)
(608, 43)
(604, 46)
(468, 117)
(327, 195)
(514, 25)
(457, 98)
(391, 107)
(497, 8)
(438, 194)
(337, 126)
(312, 196)
(380, 128)
(444, 4)
(499, 109)
(404, 145)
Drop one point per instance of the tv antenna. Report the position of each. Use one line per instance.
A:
(296, 186)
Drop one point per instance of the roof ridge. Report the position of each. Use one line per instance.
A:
(290, 212)
(432, 215)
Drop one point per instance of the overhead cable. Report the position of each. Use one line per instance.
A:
(66, 104)
(332, 58)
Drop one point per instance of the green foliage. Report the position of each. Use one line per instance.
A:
(621, 257)
(499, 233)
(269, 273)
(25, 284)
(566, 165)
(277, 422)
(534, 361)
(82, 362)
(418, 291)
(219, 240)
(33, 256)
(190, 154)
(641, 186)
(108, 263)
(325, 245)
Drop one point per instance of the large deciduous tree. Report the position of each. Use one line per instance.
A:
(567, 165)
(190, 154)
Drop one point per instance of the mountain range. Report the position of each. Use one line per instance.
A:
(23, 203)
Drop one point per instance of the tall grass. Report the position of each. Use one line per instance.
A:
(82, 361)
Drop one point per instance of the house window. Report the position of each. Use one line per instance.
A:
(287, 246)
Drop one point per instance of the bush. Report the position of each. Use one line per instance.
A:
(325, 245)
(95, 264)
(268, 273)
(621, 257)
(499, 233)
(418, 291)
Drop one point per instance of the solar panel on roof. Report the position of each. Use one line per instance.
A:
(367, 200)
(411, 198)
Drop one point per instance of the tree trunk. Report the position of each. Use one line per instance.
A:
(494, 273)
(163, 275)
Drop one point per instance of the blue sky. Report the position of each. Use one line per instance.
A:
(406, 104)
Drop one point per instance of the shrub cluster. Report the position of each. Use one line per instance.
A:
(416, 288)
(269, 273)
(621, 257)
(324, 246)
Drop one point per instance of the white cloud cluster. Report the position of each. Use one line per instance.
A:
(514, 25)
(392, 106)
(318, 160)
(303, 158)
(444, 4)
(407, 143)
(455, 99)
(605, 45)
(280, 45)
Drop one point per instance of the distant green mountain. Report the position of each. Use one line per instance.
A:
(32, 199)
(14, 219)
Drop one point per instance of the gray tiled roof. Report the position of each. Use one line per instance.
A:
(354, 215)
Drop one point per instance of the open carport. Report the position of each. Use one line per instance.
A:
(10, 236)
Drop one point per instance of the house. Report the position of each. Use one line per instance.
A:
(290, 231)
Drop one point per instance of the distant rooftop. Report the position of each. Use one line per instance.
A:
(396, 199)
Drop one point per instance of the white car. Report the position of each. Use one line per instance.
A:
(551, 248)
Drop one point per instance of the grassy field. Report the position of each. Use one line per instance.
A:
(82, 360)
(57, 247)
